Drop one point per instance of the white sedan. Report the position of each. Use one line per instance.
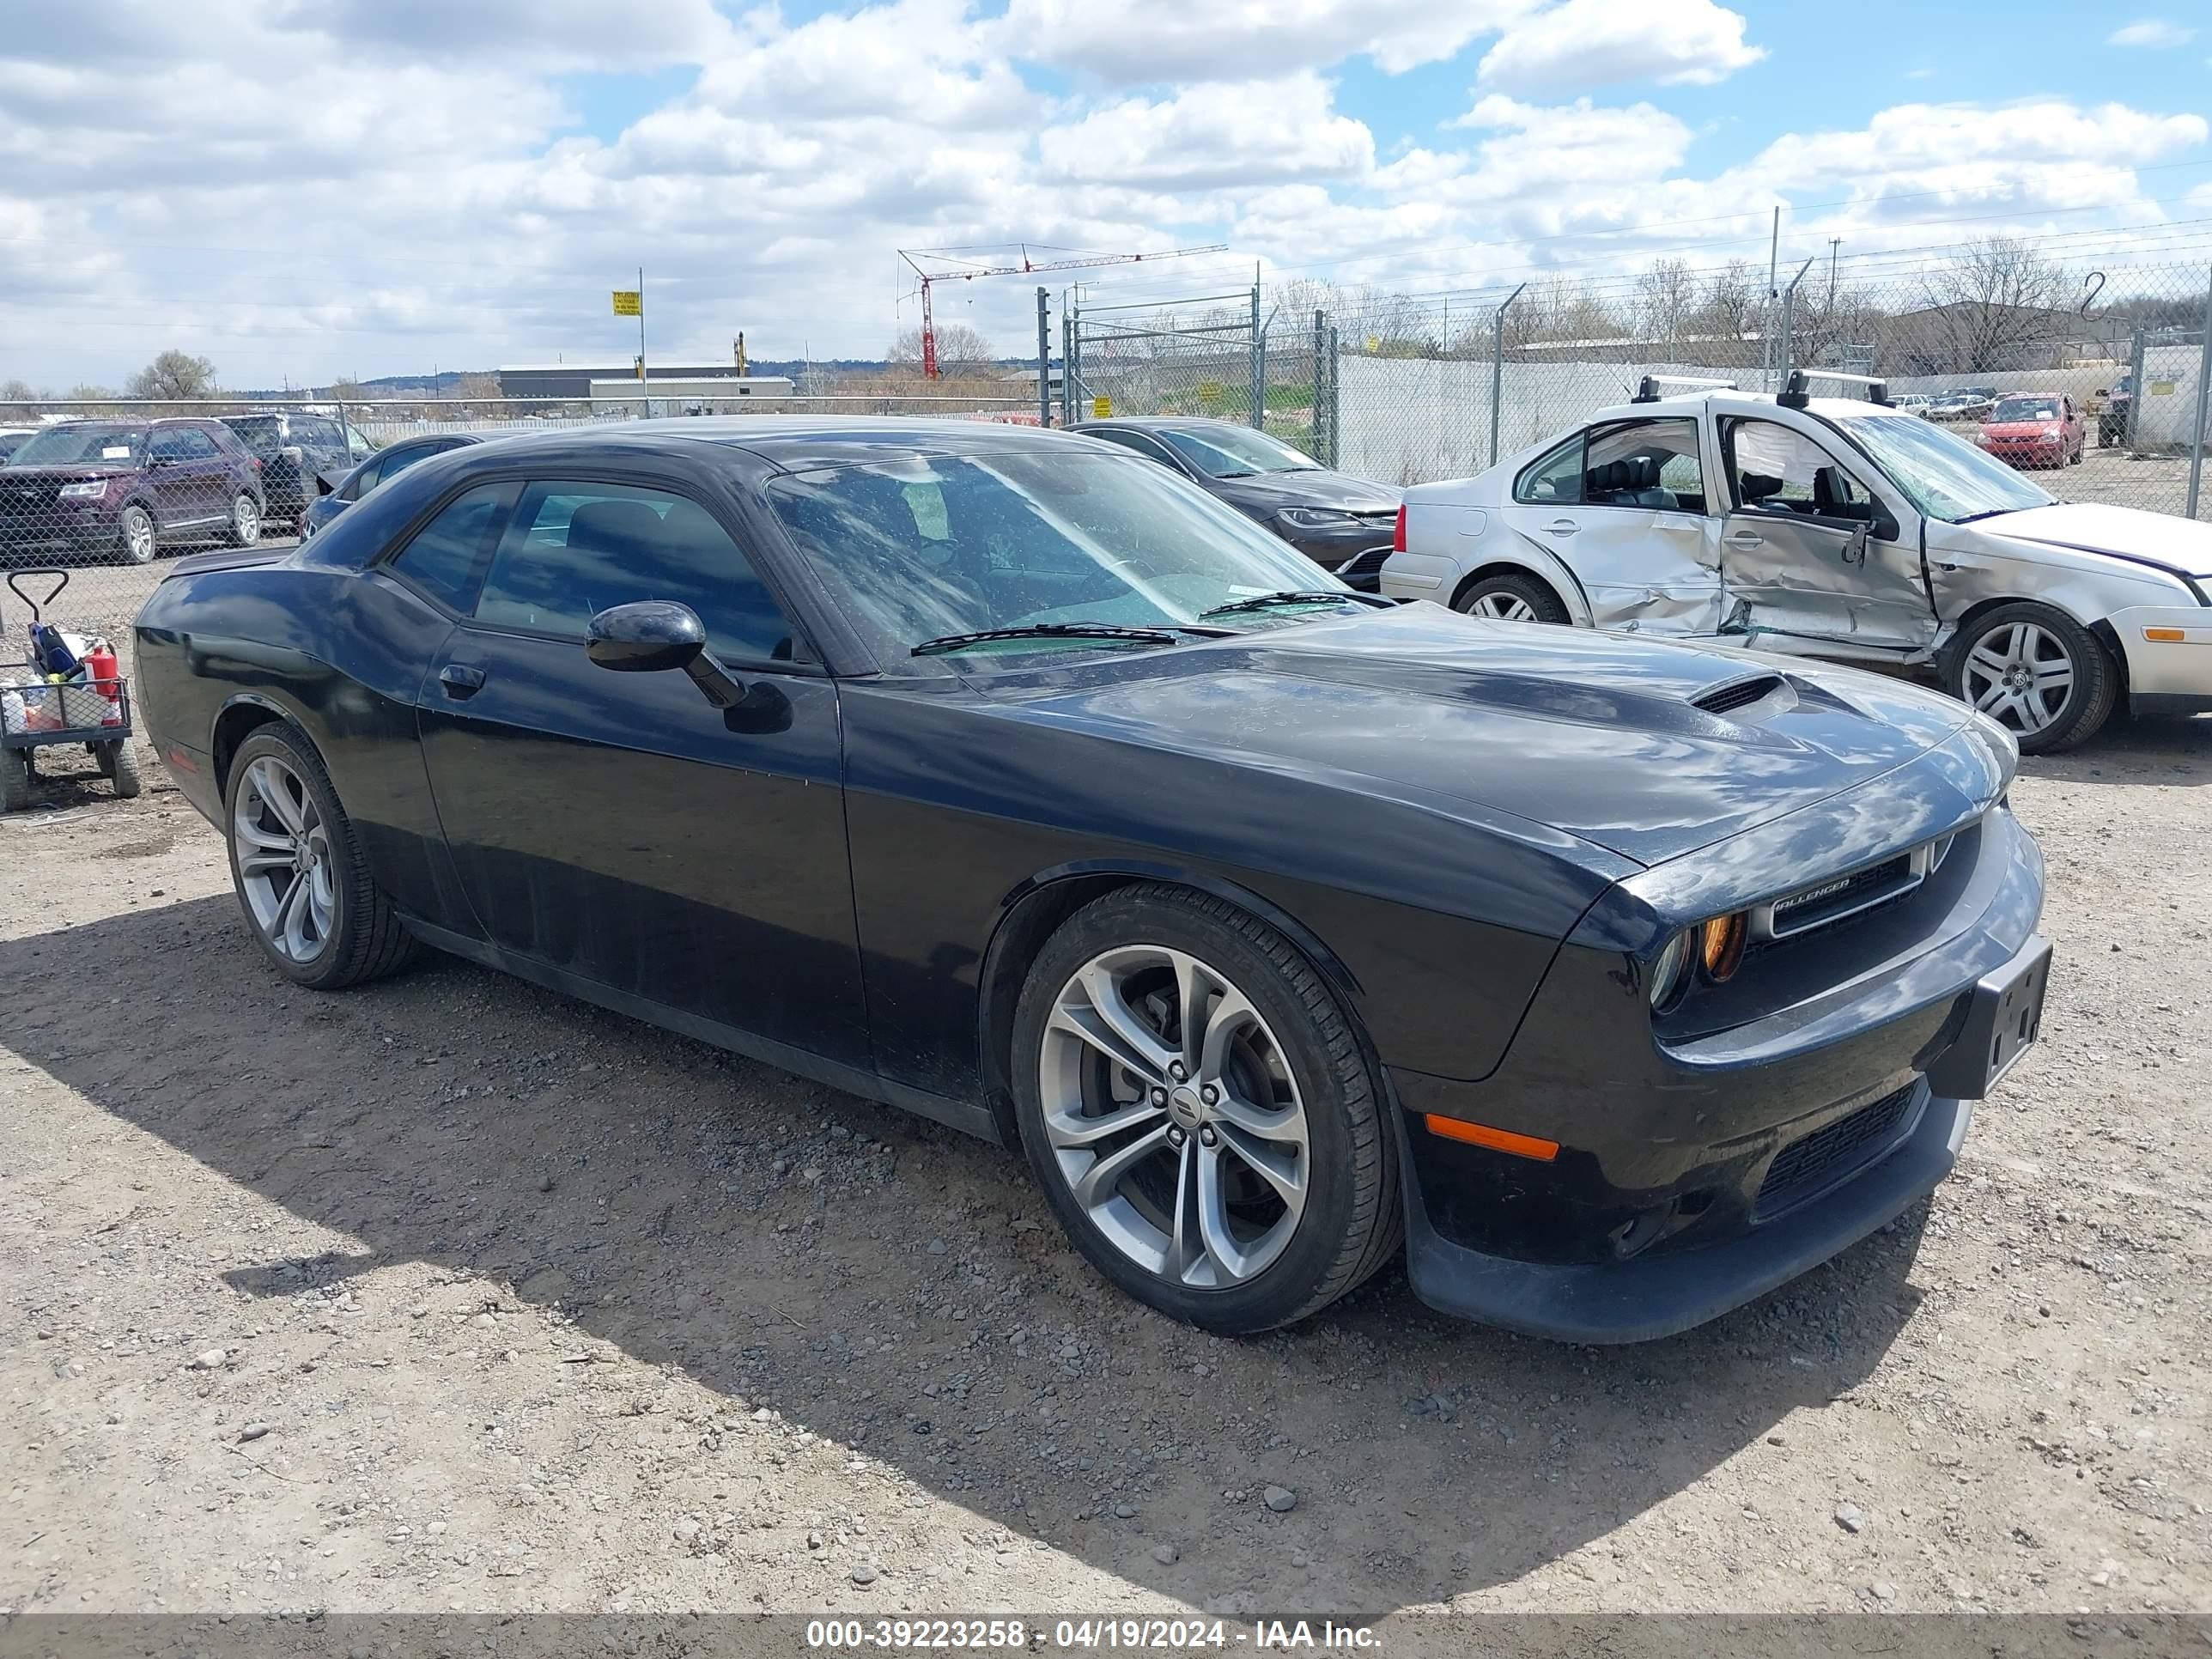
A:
(1829, 528)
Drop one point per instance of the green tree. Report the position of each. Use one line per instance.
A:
(174, 375)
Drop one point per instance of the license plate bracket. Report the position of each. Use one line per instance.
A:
(2003, 1019)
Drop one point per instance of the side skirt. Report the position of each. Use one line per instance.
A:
(969, 1117)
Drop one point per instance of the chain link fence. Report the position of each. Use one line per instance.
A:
(1404, 389)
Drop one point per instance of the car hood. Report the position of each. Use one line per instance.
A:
(1271, 490)
(2018, 429)
(1593, 735)
(2127, 532)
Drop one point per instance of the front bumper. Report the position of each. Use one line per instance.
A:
(1696, 1170)
(2166, 675)
(83, 534)
(1332, 549)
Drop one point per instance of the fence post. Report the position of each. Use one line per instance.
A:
(1335, 398)
(2203, 401)
(2134, 389)
(1498, 369)
(1044, 357)
(1789, 324)
(1071, 348)
(1259, 364)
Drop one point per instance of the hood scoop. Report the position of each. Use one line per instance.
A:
(1735, 696)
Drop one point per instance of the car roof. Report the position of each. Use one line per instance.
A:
(1163, 422)
(1723, 401)
(796, 443)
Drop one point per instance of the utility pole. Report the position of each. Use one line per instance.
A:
(644, 380)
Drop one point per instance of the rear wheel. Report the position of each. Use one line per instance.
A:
(15, 780)
(1201, 1113)
(301, 879)
(1505, 598)
(2036, 671)
(119, 762)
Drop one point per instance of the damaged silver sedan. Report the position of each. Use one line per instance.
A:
(1832, 527)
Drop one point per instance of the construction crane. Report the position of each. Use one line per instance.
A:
(1027, 267)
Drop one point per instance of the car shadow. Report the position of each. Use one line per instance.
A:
(893, 1287)
(2169, 749)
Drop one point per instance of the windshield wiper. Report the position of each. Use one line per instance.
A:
(1294, 596)
(1987, 512)
(1075, 630)
(1246, 473)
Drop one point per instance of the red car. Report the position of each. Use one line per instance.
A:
(2035, 428)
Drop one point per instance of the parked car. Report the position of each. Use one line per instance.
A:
(389, 462)
(2035, 428)
(296, 447)
(1342, 524)
(1968, 403)
(988, 773)
(13, 438)
(1914, 403)
(1830, 527)
(126, 489)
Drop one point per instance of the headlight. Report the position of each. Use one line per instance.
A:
(2051, 432)
(91, 489)
(1316, 518)
(1720, 945)
(1670, 972)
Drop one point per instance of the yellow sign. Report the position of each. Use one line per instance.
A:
(2163, 388)
(628, 302)
(1101, 409)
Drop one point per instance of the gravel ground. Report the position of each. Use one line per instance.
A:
(449, 1293)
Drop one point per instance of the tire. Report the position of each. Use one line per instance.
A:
(1252, 1262)
(355, 935)
(137, 539)
(244, 522)
(1988, 663)
(120, 763)
(1511, 599)
(15, 780)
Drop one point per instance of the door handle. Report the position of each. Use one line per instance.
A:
(1746, 539)
(1561, 527)
(460, 681)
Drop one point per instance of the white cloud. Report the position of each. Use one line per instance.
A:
(1586, 43)
(2150, 31)
(1209, 137)
(1141, 42)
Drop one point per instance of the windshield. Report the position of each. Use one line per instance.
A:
(1941, 473)
(1232, 451)
(2026, 409)
(918, 549)
(82, 441)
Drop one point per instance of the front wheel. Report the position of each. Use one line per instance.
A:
(1201, 1113)
(1511, 599)
(301, 876)
(135, 538)
(118, 763)
(245, 521)
(2036, 671)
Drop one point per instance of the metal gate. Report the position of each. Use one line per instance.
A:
(1203, 356)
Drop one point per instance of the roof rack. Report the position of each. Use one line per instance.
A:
(1648, 389)
(1795, 395)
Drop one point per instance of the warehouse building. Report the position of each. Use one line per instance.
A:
(574, 379)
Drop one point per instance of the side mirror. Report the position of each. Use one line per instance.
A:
(645, 637)
(648, 635)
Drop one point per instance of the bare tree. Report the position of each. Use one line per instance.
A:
(476, 394)
(175, 374)
(1731, 303)
(1994, 299)
(960, 350)
(13, 396)
(1669, 295)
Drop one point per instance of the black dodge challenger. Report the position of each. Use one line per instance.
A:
(1001, 776)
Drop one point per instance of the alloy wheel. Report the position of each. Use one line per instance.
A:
(283, 854)
(137, 536)
(2020, 675)
(1173, 1116)
(245, 521)
(1502, 606)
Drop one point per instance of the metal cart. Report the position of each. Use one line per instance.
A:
(39, 714)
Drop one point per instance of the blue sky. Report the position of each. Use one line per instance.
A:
(366, 186)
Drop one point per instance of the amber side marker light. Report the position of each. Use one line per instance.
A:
(1499, 1140)
(2165, 636)
(1720, 945)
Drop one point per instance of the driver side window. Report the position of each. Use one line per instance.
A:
(1774, 468)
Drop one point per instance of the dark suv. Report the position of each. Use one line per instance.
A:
(297, 447)
(120, 489)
